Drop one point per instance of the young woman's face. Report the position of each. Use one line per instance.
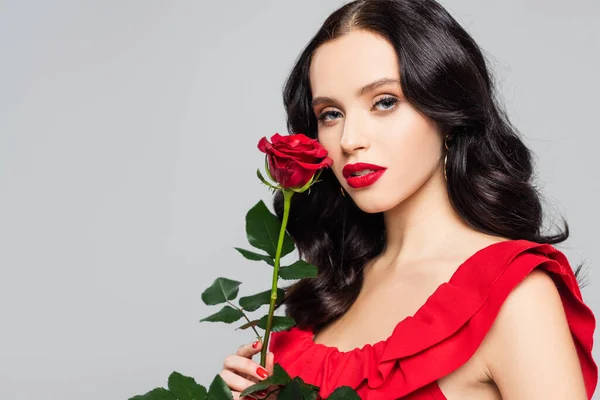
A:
(375, 125)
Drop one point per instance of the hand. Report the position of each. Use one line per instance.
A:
(240, 372)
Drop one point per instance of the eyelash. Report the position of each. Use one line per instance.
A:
(393, 100)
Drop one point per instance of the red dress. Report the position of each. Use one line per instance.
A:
(444, 333)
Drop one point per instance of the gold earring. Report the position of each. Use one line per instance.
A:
(448, 136)
(342, 190)
(445, 158)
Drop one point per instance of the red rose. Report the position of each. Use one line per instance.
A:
(294, 159)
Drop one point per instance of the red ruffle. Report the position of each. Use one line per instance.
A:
(444, 333)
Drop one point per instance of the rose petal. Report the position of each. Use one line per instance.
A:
(294, 159)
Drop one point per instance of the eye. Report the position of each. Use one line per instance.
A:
(328, 116)
(387, 103)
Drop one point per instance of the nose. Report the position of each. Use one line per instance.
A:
(354, 137)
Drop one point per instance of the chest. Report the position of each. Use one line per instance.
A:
(381, 305)
(385, 299)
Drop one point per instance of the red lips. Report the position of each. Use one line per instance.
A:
(349, 169)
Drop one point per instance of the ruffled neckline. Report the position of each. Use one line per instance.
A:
(444, 313)
(446, 290)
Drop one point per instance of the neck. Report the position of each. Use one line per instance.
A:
(424, 225)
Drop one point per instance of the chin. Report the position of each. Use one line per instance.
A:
(373, 203)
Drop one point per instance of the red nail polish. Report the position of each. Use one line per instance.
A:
(262, 372)
(255, 344)
(261, 393)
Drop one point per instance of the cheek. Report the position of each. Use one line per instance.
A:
(418, 143)
(420, 151)
(331, 144)
(416, 150)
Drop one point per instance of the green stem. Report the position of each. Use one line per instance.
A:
(287, 196)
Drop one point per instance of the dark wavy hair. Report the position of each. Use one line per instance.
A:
(444, 75)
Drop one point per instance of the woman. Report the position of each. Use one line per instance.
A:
(435, 281)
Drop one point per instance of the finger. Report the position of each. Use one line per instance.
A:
(270, 363)
(234, 381)
(253, 396)
(237, 396)
(249, 349)
(245, 365)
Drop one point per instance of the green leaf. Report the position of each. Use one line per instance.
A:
(253, 303)
(298, 389)
(292, 391)
(250, 255)
(314, 387)
(262, 230)
(219, 390)
(344, 393)
(227, 314)
(298, 270)
(220, 291)
(279, 323)
(156, 394)
(279, 377)
(309, 392)
(185, 387)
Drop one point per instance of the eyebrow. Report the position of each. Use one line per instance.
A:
(365, 89)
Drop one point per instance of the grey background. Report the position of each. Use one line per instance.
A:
(128, 134)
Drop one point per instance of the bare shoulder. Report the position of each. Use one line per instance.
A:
(529, 351)
(533, 307)
(537, 292)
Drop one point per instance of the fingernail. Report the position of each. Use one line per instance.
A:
(261, 393)
(262, 372)
(255, 344)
